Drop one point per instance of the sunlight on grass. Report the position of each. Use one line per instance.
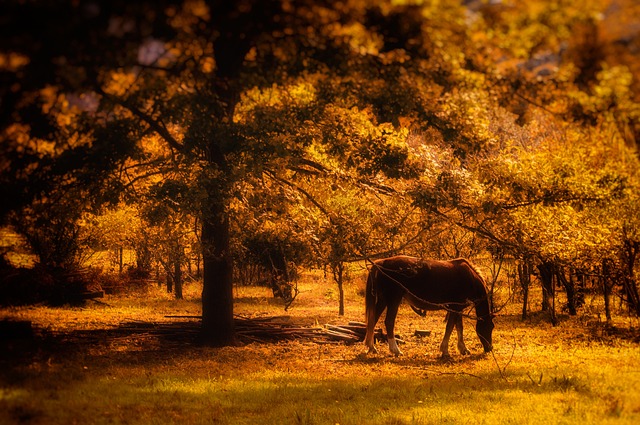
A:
(540, 373)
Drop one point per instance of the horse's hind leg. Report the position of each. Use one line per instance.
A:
(461, 346)
(390, 321)
(371, 324)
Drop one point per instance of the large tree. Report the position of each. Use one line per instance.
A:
(233, 90)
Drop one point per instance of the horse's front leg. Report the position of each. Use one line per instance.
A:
(389, 321)
(461, 346)
(444, 346)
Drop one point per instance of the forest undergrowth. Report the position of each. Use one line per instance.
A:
(76, 369)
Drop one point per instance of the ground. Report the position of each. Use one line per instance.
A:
(84, 367)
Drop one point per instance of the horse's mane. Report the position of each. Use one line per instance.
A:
(485, 300)
(475, 270)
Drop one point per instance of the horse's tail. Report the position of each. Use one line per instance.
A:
(370, 300)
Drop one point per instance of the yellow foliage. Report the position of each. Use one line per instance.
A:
(191, 14)
(12, 62)
(298, 92)
(120, 82)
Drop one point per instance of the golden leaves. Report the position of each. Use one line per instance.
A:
(12, 61)
(119, 83)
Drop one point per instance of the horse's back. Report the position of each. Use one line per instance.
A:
(429, 279)
(394, 262)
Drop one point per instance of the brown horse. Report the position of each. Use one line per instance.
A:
(427, 285)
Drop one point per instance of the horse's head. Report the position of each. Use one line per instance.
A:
(484, 329)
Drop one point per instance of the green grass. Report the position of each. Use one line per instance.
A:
(574, 373)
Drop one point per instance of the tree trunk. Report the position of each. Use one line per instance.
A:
(554, 317)
(606, 289)
(495, 273)
(548, 293)
(237, 35)
(580, 288)
(546, 279)
(630, 286)
(338, 275)
(524, 274)
(177, 279)
(169, 277)
(570, 290)
(217, 290)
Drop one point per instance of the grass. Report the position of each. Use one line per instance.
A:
(577, 372)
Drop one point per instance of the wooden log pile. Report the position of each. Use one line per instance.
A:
(274, 329)
(248, 330)
(268, 330)
(352, 332)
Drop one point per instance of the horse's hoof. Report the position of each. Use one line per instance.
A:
(397, 353)
(372, 350)
(446, 358)
(465, 352)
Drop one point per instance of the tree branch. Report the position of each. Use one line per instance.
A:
(383, 254)
(155, 124)
(300, 190)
